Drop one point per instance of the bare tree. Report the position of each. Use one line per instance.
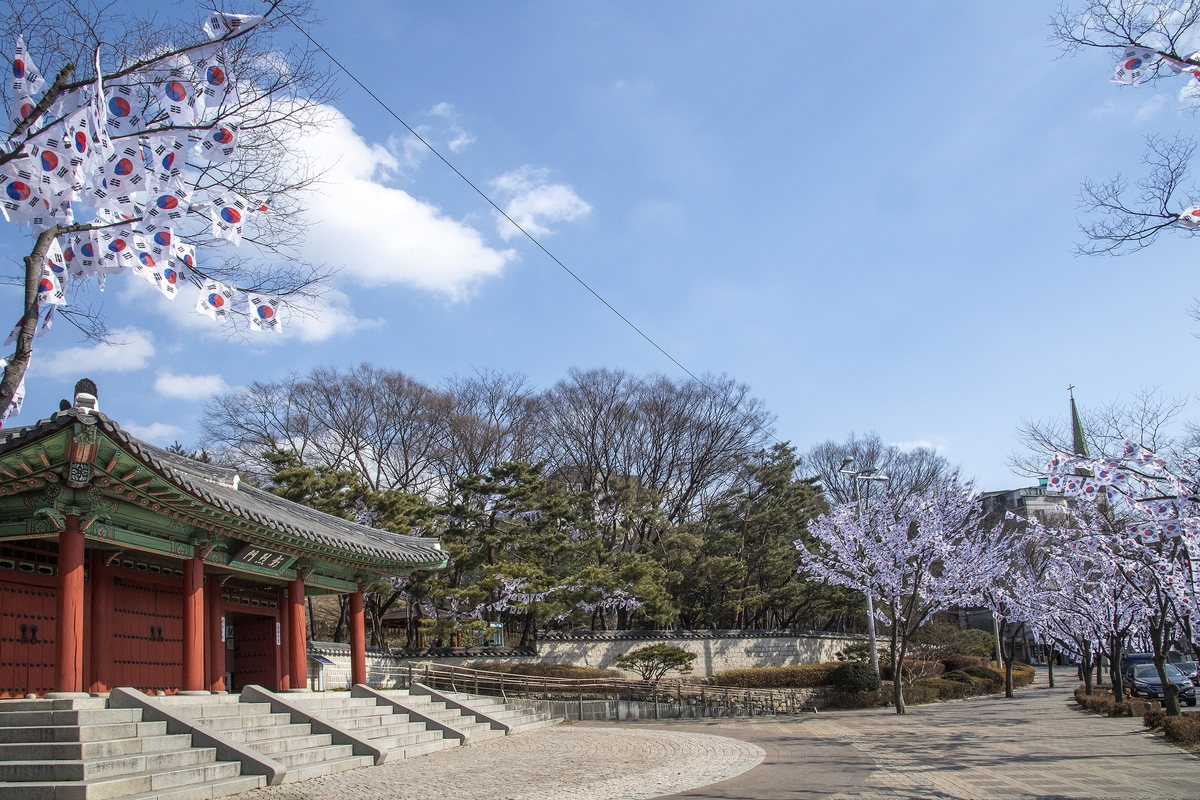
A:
(1147, 417)
(1128, 218)
(495, 417)
(268, 94)
(910, 472)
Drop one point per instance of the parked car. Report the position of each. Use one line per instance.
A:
(1191, 670)
(1145, 682)
(1131, 660)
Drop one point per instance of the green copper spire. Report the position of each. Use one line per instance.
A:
(1078, 442)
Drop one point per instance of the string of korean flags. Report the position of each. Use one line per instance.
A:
(1135, 65)
(95, 147)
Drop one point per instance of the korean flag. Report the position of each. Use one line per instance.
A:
(264, 313)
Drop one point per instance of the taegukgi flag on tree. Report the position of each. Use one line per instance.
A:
(1134, 65)
(264, 313)
(138, 184)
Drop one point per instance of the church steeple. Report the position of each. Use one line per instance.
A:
(1078, 440)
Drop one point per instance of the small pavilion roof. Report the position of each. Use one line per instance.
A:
(221, 487)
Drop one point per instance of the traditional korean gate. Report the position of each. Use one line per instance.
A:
(147, 634)
(26, 634)
(254, 650)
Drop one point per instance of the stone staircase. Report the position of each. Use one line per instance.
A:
(510, 717)
(379, 724)
(465, 723)
(304, 753)
(78, 749)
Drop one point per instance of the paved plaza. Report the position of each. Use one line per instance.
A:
(1038, 745)
(570, 762)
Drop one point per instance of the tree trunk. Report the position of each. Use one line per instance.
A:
(1050, 666)
(19, 361)
(1087, 670)
(1009, 655)
(897, 669)
(1114, 671)
(527, 629)
(1170, 690)
(340, 629)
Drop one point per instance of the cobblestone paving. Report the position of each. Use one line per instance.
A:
(561, 763)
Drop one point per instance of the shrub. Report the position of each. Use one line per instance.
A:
(655, 660)
(959, 676)
(927, 690)
(1184, 729)
(957, 661)
(1153, 719)
(1023, 675)
(855, 676)
(1103, 703)
(800, 676)
(913, 670)
(539, 669)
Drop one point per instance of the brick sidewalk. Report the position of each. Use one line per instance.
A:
(1036, 745)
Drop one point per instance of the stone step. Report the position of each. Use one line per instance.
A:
(200, 711)
(306, 771)
(81, 733)
(424, 748)
(89, 750)
(404, 740)
(205, 791)
(146, 784)
(47, 704)
(392, 724)
(269, 747)
(82, 716)
(338, 701)
(92, 769)
(311, 755)
(244, 721)
(251, 735)
(199, 699)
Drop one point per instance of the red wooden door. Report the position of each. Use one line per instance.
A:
(27, 609)
(147, 634)
(254, 650)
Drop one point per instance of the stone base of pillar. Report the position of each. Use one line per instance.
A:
(296, 691)
(67, 695)
(194, 692)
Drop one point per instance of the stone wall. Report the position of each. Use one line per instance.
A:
(716, 651)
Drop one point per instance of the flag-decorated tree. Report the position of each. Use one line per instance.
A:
(1149, 42)
(918, 557)
(1142, 517)
(165, 149)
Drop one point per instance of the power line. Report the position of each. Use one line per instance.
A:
(504, 214)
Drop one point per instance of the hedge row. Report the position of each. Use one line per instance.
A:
(539, 669)
(801, 676)
(1103, 702)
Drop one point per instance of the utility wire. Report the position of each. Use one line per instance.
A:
(504, 214)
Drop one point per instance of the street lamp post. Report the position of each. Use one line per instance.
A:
(863, 504)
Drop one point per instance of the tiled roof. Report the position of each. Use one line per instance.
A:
(217, 486)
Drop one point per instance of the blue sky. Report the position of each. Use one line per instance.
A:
(865, 212)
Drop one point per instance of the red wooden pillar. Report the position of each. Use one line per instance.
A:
(284, 653)
(68, 638)
(358, 640)
(216, 636)
(296, 636)
(193, 625)
(100, 630)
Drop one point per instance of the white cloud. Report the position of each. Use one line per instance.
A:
(330, 316)
(380, 234)
(189, 387)
(1151, 107)
(442, 110)
(155, 432)
(534, 202)
(461, 139)
(132, 349)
